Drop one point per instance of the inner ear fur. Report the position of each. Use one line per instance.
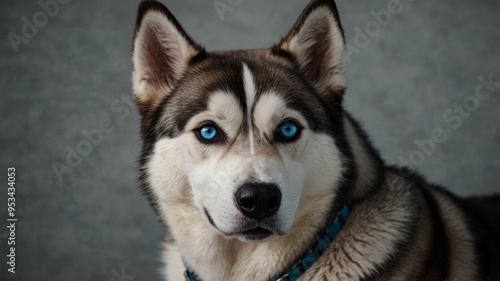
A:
(316, 43)
(161, 53)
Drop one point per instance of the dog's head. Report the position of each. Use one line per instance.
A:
(239, 140)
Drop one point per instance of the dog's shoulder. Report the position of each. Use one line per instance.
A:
(467, 229)
(407, 229)
(483, 215)
(379, 228)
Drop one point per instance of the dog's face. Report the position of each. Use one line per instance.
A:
(240, 138)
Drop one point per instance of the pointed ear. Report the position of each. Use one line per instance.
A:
(161, 53)
(316, 42)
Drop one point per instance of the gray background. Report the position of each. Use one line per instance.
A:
(66, 78)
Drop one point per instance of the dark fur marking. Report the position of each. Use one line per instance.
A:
(437, 264)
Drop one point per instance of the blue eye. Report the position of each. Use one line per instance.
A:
(207, 132)
(289, 130)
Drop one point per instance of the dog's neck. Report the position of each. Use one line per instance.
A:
(214, 257)
(367, 166)
(268, 261)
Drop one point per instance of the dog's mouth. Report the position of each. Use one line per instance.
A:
(254, 232)
(257, 233)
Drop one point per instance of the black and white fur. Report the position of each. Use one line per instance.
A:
(401, 227)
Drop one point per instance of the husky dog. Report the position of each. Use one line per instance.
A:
(258, 173)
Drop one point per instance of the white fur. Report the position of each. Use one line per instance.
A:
(175, 269)
(250, 98)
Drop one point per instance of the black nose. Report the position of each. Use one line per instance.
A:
(258, 200)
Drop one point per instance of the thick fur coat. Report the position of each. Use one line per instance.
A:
(214, 123)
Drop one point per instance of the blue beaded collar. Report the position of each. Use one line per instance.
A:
(314, 253)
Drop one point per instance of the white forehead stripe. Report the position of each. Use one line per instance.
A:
(250, 97)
